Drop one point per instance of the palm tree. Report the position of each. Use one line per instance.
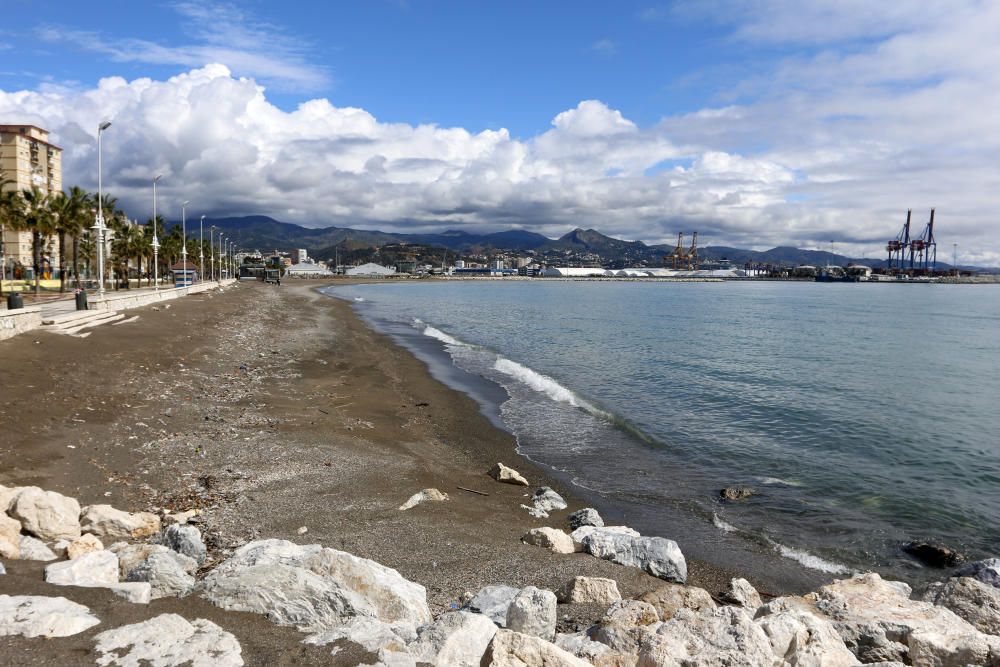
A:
(11, 216)
(40, 221)
(59, 206)
(75, 223)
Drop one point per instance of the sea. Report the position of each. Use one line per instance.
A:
(863, 416)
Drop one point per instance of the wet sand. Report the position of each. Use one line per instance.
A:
(274, 408)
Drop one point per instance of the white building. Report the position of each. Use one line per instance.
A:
(303, 256)
(371, 270)
(575, 272)
(307, 270)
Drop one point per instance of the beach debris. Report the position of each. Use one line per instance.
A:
(588, 516)
(657, 556)
(43, 616)
(547, 500)
(169, 639)
(10, 537)
(934, 555)
(165, 574)
(492, 602)
(723, 636)
(736, 493)
(986, 571)
(183, 539)
(668, 599)
(458, 638)
(46, 514)
(83, 545)
(302, 530)
(423, 496)
(107, 522)
(502, 473)
(552, 539)
(970, 599)
(533, 612)
(589, 590)
(626, 624)
(742, 594)
(513, 649)
(535, 512)
(94, 569)
(478, 493)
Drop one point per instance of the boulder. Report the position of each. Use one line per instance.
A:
(97, 568)
(742, 594)
(387, 641)
(135, 592)
(547, 500)
(588, 516)
(34, 549)
(801, 639)
(83, 545)
(169, 639)
(165, 575)
(940, 647)
(456, 639)
(513, 649)
(579, 534)
(492, 602)
(552, 539)
(657, 556)
(626, 625)
(736, 493)
(594, 653)
(934, 555)
(41, 616)
(131, 555)
(670, 598)
(109, 523)
(986, 571)
(533, 612)
(46, 514)
(7, 495)
(589, 590)
(10, 537)
(502, 473)
(714, 637)
(973, 601)
(185, 540)
(423, 496)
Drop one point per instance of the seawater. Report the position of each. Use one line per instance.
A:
(863, 415)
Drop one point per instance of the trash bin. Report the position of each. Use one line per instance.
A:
(81, 300)
(14, 301)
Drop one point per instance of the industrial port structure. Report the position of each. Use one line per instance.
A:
(913, 255)
(681, 258)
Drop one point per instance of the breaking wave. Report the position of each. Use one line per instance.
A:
(441, 336)
(811, 561)
(540, 383)
(722, 525)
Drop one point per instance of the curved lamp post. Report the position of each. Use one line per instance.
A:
(156, 241)
(99, 227)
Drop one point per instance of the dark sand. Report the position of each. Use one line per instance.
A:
(274, 408)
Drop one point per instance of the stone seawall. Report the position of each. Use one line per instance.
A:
(13, 322)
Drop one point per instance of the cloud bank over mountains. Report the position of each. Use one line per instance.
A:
(833, 144)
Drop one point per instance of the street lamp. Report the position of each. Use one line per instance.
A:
(211, 249)
(223, 269)
(184, 248)
(954, 257)
(201, 249)
(156, 241)
(99, 222)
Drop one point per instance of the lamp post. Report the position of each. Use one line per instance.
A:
(232, 254)
(201, 249)
(954, 257)
(156, 241)
(222, 263)
(99, 222)
(184, 245)
(211, 249)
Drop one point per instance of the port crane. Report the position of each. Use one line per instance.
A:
(682, 258)
(909, 254)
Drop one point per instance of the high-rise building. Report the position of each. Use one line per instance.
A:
(27, 159)
(303, 256)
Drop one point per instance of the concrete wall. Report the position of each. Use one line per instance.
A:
(13, 322)
(126, 301)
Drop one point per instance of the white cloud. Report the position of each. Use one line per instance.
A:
(605, 47)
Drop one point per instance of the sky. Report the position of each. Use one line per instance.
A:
(812, 123)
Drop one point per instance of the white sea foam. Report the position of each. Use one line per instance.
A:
(442, 336)
(539, 382)
(811, 561)
(723, 525)
(359, 298)
(776, 481)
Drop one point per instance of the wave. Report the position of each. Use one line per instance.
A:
(722, 525)
(812, 561)
(359, 299)
(441, 336)
(776, 481)
(540, 383)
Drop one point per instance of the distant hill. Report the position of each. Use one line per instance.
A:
(590, 240)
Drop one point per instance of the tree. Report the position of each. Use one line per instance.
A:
(40, 221)
(77, 222)
(11, 217)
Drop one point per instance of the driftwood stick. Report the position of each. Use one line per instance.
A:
(472, 491)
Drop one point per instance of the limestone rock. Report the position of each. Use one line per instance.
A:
(934, 555)
(46, 514)
(97, 568)
(386, 640)
(535, 512)
(7, 495)
(670, 598)
(107, 522)
(165, 575)
(581, 533)
(657, 556)
(513, 649)
(180, 517)
(3, 570)
(135, 592)
(10, 537)
(502, 473)
(168, 640)
(940, 647)
(986, 571)
(588, 516)
(742, 594)
(41, 616)
(626, 625)
(492, 602)
(131, 555)
(589, 590)
(184, 540)
(594, 653)
(34, 549)
(714, 637)
(455, 639)
(971, 599)
(83, 545)
(423, 496)
(552, 539)
(547, 500)
(533, 612)
(801, 639)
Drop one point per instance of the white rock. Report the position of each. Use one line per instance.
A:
(513, 649)
(97, 568)
(552, 539)
(742, 593)
(626, 625)
(107, 522)
(594, 653)
(165, 575)
(535, 512)
(168, 640)
(657, 556)
(59, 547)
(592, 590)
(46, 514)
(3, 570)
(801, 639)
(973, 601)
(34, 549)
(83, 545)
(588, 516)
(502, 473)
(940, 647)
(387, 641)
(180, 517)
(130, 555)
(579, 534)
(40, 616)
(668, 599)
(423, 496)
(492, 602)
(7, 495)
(184, 540)
(533, 612)
(135, 592)
(455, 639)
(547, 500)
(712, 638)
(10, 537)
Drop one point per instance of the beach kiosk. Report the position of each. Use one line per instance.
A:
(185, 274)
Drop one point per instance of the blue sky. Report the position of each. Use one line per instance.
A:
(758, 122)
